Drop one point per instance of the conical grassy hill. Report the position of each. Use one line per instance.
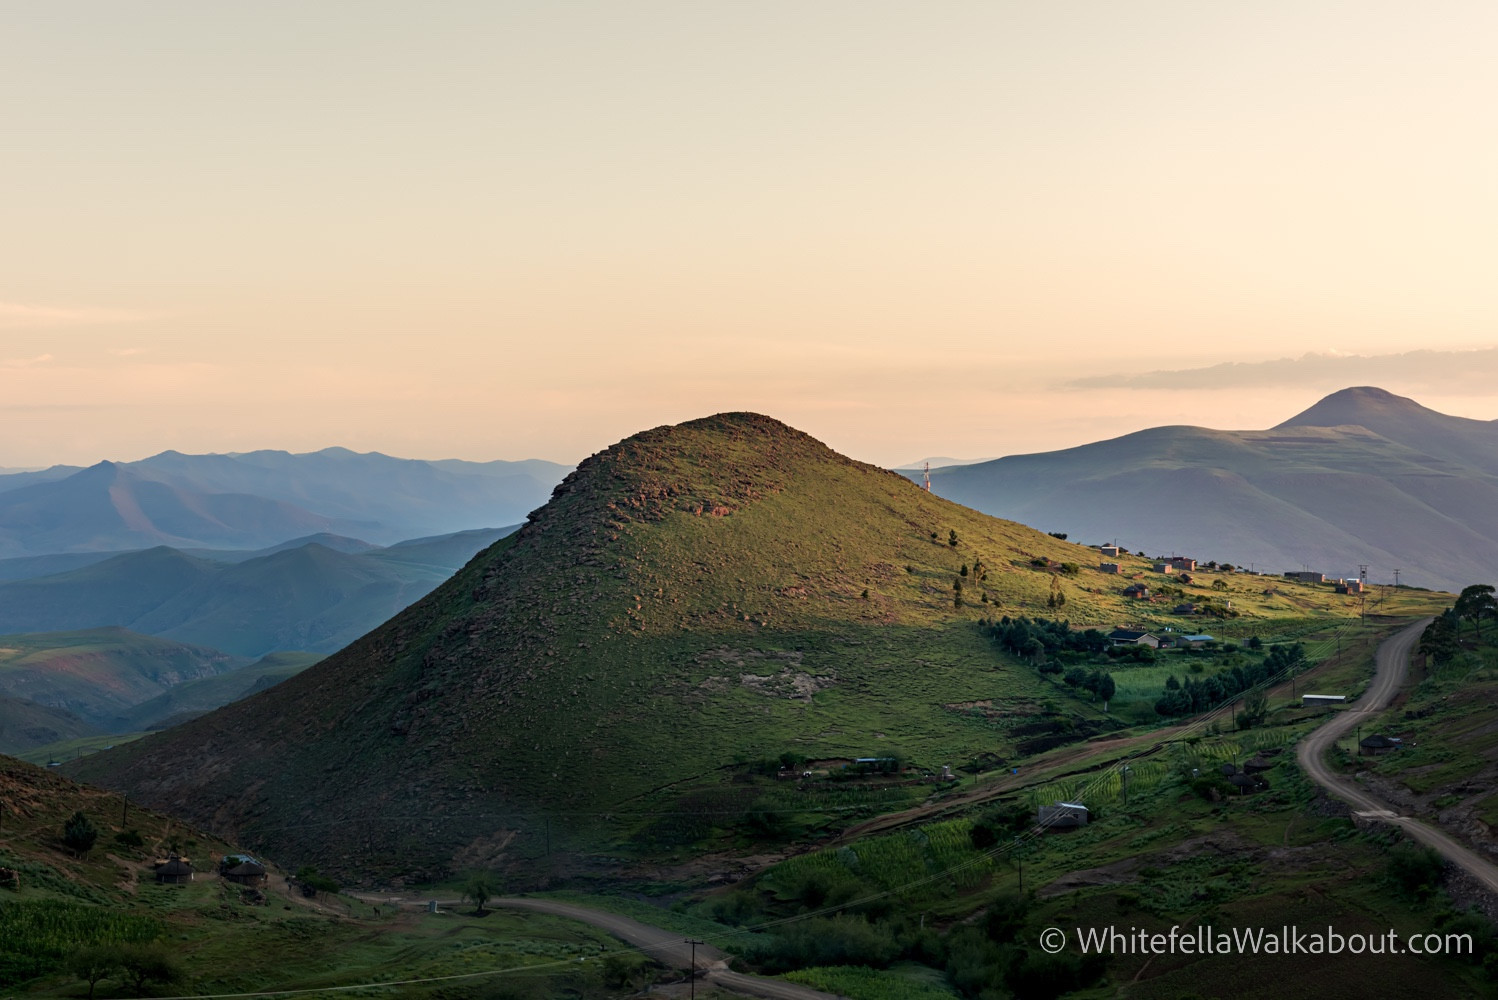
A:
(694, 598)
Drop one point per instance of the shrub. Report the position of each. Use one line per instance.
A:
(1415, 870)
(839, 940)
(79, 834)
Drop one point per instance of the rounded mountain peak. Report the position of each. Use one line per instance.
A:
(1356, 405)
(711, 465)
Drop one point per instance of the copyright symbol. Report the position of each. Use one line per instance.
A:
(1052, 940)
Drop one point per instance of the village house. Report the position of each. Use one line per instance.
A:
(1182, 563)
(1110, 567)
(175, 870)
(1130, 637)
(1305, 576)
(1108, 551)
(1378, 743)
(1062, 816)
(1137, 591)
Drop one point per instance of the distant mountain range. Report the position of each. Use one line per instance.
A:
(1364, 477)
(313, 594)
(259, 499)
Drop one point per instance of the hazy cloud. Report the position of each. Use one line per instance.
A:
(20, 314)
(40, 359)
(1445, 371)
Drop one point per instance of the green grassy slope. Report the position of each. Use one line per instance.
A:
(691, 599)
(25, 724)
(224, 939)
(100, 673)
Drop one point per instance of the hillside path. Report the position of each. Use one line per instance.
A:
(666, 947)
(1393, 659)
(670, 949)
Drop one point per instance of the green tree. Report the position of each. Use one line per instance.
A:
(314, 883)
(1476, 603)
(1255, 708)
(93, 964)
(1105, 688)
(1438, 641)
(142, 965)
(952, 537)
(79, 834)
(479, 888)
(956, 593)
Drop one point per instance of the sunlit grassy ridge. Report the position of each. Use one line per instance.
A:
(692, 599)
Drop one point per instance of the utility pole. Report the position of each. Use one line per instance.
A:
(693, 974)
(1363, 590)
(124, 812)
(1396, 579)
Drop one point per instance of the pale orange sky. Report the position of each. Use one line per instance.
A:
(503, 230)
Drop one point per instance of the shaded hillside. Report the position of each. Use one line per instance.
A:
(1363, 477)
(31, 567)
(193, 698)
(694, 597)
(25, 724)
(259, 500)
(309, 597)
(114, 592)
(100, 673)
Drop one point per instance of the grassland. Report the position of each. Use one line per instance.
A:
(225, 939)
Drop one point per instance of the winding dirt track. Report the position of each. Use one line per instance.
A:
(670, 949)
(664, 946)
(1393, 662)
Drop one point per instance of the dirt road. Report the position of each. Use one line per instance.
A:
(666, 947)
(1393, 663)
(670, 949)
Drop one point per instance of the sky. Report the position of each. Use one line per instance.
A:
(527, 230)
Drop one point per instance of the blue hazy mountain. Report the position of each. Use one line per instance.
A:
(257, 500)
(1363, 477)
(309, 596)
